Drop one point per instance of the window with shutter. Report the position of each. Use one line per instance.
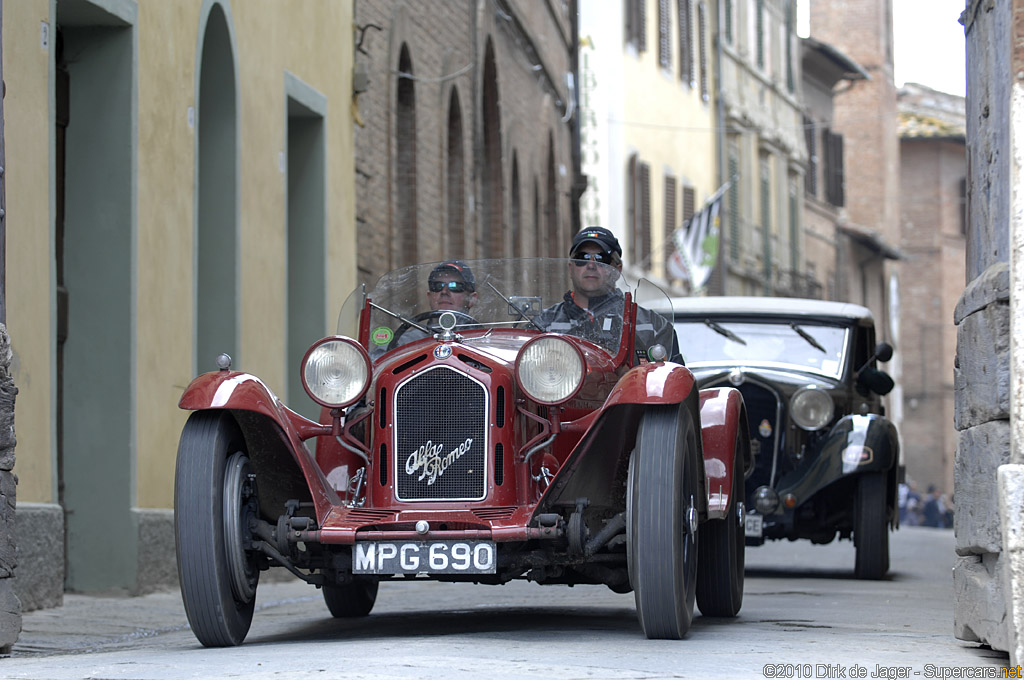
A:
(810, 137)
(665, 33)
(702, 49)
(670, 214)
(734, 206)
(645, 215)
(833, 167)
(685, 43)
(632, 218)
(759, 28)
(788, 37)
(728, 21)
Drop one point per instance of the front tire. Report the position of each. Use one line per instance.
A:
(723, 554)
(871, 527)
(214, 499)
(662, 521)
(351, 599)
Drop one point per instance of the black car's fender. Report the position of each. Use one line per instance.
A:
(855, 445)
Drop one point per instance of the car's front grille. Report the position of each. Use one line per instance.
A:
(766, 427)
(440, 437)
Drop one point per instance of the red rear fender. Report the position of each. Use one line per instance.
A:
(723, 418)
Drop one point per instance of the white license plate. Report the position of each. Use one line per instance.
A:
(424, 557)
(753, 525)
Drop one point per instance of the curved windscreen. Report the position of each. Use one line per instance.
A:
(489, 294)
(807, 346)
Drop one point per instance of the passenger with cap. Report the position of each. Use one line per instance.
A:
(593, 309)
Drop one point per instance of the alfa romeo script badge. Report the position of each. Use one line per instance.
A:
(443, 351)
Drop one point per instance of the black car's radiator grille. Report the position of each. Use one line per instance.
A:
(440, 420)
(763, 410)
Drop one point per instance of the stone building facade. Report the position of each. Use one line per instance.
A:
(933, 225)
(988, 577)
(761, 118)
(465, 134)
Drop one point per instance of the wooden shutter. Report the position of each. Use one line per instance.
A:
(685, 43)
(665, 33)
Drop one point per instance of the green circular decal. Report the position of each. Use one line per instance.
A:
(381, 335)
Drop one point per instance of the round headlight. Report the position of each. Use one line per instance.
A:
(550, 370)
(336, 372)
(811, 408)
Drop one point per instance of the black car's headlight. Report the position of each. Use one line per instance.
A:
(811, 408)
(336, 372)
(550, 370)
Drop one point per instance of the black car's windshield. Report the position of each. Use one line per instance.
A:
(808, 346)
(485, 294)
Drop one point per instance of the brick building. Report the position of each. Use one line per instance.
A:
(465, 141)
(933, 223)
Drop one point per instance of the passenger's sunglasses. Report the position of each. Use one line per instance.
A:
(453, 286)
(581, 259)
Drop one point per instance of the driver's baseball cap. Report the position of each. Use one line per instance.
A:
(457, 267)
(598, 235)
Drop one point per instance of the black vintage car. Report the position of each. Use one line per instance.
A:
(826, 456)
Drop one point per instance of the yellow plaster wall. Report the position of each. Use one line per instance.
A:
(668, 125)
(165, 316)
(312, 40)
(28, 172)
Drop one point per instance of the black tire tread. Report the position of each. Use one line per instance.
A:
(216, 619)
(665, 466)
(871, 527)
(351, 599)
(720, 571)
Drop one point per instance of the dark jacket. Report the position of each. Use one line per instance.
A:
(601, 323)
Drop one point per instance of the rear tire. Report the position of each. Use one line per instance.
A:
(351, 599)
(871, 527)
(723, 554)
(213, 502)
(662, 520)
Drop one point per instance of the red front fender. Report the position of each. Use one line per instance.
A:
(243, 392)
(722, 418)
(652, 384)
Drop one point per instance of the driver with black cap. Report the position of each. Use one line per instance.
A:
(593, 309)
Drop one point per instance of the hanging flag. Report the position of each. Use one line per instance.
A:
(696, 245)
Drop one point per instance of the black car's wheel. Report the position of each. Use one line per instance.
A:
(662, 521)
(214, 499)
(871, 527)
(351, 599)
(723, 554)
(430, 319)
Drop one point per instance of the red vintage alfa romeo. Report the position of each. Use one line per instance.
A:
(469, 432)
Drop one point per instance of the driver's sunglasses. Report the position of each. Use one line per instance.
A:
(453, 286)
(581, 259)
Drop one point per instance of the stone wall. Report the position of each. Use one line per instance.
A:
(982, 578)
(10, 607)
(981, 383)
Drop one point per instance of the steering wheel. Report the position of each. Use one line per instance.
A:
(461, 319)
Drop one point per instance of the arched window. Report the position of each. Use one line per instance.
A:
(406, 248)
(517, 220)
(492, 198)
(456, 181)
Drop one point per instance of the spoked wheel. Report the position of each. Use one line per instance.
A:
(214, 499)
(351, 599)
(723, 553)
(871, 527)
(661, 525)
